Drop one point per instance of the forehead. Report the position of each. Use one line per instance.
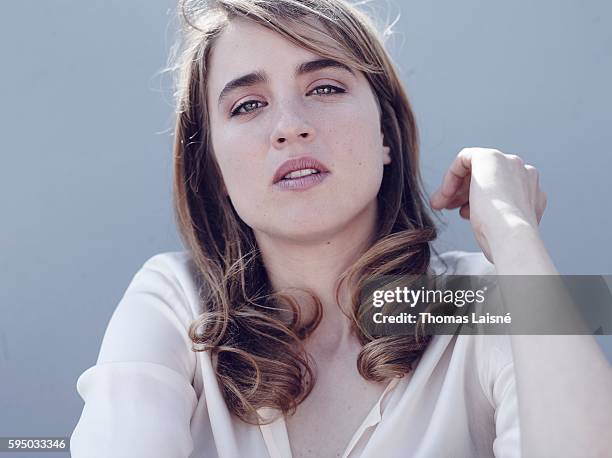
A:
(245, 46)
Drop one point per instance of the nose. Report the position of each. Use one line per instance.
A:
(291, 127)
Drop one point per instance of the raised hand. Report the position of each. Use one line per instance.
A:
(496, 192)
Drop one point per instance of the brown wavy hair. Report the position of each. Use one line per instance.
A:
(255, 344)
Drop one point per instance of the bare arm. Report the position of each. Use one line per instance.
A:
(564, 382)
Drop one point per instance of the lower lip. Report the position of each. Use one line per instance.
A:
(302, 183)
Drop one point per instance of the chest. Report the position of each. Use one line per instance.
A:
(326, 421)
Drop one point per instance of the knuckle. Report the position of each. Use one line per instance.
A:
(468, 150)
(474, 149)
(515, 158)
(532, 170)
(495, 153)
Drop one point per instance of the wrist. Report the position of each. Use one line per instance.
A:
(509, 233)
(519, 249)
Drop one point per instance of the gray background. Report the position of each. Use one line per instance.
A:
(85, 181)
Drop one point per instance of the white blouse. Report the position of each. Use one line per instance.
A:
(150, 396)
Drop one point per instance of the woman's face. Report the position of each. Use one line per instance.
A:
(277, 113)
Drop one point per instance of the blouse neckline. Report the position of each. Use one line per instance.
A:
(276, 436)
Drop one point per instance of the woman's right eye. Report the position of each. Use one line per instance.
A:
(246, 107)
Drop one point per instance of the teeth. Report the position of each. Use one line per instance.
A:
(300, 173)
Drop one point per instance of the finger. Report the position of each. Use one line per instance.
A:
(461, 197)
(534, 185)
(454, 179)
(533, 174)
(447, 191)
(457, 201)
(517, 159)
(457, 172)
(464, 211)
(541, 205)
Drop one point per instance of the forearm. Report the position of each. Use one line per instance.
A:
(564, 382)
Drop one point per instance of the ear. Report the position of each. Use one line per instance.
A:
(386, 154)
(386, 151)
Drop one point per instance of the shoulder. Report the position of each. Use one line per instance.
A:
(151, 321)
(489, 356)
(173, 266)
(171, 276)
(458, 262)
(139, 396)
(160, 299)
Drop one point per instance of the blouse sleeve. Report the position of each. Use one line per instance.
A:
(498, 383)
(139, 397)
(507, 441)
(496, 373)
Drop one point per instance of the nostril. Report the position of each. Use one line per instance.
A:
(304, 135)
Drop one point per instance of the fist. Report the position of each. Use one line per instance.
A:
(496, 192)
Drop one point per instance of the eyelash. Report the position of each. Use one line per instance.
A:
(236, 111)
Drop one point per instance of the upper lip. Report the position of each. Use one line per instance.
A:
(298, 163)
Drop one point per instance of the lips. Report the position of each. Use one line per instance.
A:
(291, 165)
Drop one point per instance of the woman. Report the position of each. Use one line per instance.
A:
(296, 180)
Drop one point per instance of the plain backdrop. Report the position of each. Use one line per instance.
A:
(85, 178)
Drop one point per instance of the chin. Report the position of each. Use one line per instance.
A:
(300, 230)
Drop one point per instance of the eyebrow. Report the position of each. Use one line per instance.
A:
(259, 76)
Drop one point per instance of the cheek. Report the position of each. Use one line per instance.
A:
(357, 145)
(241, 161)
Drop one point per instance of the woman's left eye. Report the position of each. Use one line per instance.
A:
(327, 89)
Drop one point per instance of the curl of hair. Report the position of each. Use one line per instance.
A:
(255, 336)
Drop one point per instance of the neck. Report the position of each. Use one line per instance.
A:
(316, 265)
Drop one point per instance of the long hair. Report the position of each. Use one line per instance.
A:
(256, 349)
